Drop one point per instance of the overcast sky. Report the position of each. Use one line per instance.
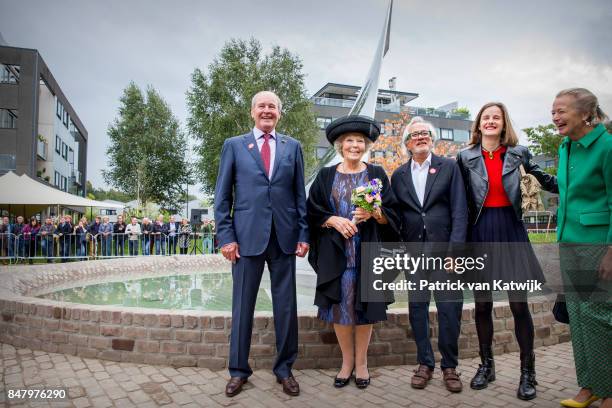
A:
(519, 52)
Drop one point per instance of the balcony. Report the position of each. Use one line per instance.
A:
(416, 111)
(41, 149)
(348, 103)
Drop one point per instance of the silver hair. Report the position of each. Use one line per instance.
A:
(586, 102)
(339, 140)
(260, 93)
(413, 121)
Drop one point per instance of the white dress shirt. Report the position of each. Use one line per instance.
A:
(272, 142)
(419, 177)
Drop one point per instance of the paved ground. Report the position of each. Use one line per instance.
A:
(99, 383)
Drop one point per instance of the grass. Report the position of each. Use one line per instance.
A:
(543, 237)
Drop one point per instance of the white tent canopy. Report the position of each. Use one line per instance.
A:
(23, 190)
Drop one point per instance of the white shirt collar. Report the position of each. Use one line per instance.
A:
(426, 163)
(258, 133)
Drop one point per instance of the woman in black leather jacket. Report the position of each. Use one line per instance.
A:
(490, 166)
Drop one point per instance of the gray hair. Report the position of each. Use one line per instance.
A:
(586, 102)
(413, 121)
(339, 140)
(261, 93)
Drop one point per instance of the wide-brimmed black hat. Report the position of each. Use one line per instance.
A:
(352, 124)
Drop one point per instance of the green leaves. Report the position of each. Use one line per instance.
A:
(219, 101)
(146, 156)
(545, 140)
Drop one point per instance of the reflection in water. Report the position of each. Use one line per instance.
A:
(200, 291)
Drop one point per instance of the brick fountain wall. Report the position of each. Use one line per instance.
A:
(194, 338)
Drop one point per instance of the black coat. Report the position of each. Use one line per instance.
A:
(476, 180)
(119, 228)
(65, 229)
(327, 255)
(443, 214)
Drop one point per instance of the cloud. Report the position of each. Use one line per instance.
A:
(519, 52)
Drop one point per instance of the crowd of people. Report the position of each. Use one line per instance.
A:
(264, 217)
(66, 238)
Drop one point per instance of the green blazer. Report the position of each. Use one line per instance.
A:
(585, 188)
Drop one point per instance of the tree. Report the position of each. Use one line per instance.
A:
(544, 140)
(147, 153)
(111, 194)
(462, 111)
(219, 101)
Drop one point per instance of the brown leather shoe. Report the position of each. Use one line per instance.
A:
(451, 380)
(234, 386)
(422, 375)
(290, 386)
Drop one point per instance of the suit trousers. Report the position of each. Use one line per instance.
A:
(449, 304)
(247, 273)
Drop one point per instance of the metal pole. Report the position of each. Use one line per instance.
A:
(187, 201)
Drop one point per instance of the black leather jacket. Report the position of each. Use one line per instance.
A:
(476, 181)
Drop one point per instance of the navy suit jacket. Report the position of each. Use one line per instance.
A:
(444, 211)
(247, 202)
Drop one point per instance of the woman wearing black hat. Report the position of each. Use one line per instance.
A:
(336, 242)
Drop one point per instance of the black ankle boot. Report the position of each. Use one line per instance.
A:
(526, 390)
(486, 371)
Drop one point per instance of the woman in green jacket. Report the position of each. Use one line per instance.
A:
(584, 231)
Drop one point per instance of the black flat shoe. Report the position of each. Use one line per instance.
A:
(341, 382)
(362, 382)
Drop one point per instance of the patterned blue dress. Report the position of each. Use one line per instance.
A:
(340, 200)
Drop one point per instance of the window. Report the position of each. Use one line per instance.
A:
(9, 74)
(66, 119)
(70, 155)
(64, 150)
(446, 134)
(58, 144)
(56, 179)
(7, 162)
(8, 118)
(59, 110)
(461, 135)
(64, 185)
(323, 122)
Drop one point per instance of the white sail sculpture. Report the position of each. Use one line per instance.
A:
(365, 104)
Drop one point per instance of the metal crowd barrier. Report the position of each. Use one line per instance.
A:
(7, 247)
(54, 247)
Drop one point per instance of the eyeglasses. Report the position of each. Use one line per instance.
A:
(422, 133)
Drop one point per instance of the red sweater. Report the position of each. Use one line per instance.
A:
(496, 197)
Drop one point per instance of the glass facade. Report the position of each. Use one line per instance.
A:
(8, 119)
(9, 74)
(7, 162)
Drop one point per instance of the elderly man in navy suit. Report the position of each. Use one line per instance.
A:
(433, 208)
(260, 212)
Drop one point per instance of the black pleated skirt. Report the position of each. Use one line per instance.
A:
(509, 255)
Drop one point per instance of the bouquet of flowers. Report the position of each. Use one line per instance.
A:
(367, 196)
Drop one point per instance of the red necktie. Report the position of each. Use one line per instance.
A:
(265, 153)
